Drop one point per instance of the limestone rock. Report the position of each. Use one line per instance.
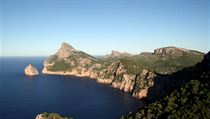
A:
(126, 84)
(115, 54)
(169, 50)
(65, 50)
(104, 81)
(143, 82)
(39, 116)
(30, 70)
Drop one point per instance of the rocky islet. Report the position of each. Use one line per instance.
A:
(30, 70)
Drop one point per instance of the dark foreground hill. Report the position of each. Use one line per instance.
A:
(189, 98)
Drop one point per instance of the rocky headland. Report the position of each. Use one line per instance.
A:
(134, 74)
(187, 93)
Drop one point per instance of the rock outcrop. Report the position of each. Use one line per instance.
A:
(117, 54)
(143, 82)
(169, 50)
(46, 115)
(39, 116)
(133, 74)
(65, 51)
(31, 71)
(175, 51)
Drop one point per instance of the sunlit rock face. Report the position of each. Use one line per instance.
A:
(65, 51)
(31, 70)
(175, 51)
(117, 54)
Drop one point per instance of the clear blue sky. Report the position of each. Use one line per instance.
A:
(38, 27)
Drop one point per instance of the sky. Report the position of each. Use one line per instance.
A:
(38, 27)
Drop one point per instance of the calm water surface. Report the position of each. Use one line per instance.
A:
(23, 97)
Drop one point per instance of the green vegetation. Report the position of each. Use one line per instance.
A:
(191, 100)
(53, 116)
(141, 85)
(84, 55)
(160, 63)
(155, 62)
(52, 58)
(80, 54)
(118, 78)
(75, 58)
(187, 97)
(105, 62)
(131, 66)
(60, 66)
(108, 74)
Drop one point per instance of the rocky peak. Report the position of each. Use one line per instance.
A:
(65, 50)
(115, 53)
(31, 70)
(66, 46)
(169, 50)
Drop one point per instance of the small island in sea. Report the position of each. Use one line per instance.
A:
(30, 70)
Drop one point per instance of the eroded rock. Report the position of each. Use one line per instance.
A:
(31, 70)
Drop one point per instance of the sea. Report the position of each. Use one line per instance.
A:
(23, 97)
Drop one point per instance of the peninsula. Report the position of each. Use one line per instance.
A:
(134, 74)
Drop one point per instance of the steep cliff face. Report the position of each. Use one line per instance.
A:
(189, 98)
(174, 51)
(134, 74)
(143, 82)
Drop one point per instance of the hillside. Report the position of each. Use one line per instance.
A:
(190, 98)
(47, 115)
(134, 74)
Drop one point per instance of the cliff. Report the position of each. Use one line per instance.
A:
(134, 74)
(188, 95)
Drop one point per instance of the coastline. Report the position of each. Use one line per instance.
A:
(138, 95)
(98, 80)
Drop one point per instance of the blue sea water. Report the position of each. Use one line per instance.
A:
(23, 97)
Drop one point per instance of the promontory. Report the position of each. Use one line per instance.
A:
(133, 74)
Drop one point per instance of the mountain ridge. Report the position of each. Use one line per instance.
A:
(133, 74)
